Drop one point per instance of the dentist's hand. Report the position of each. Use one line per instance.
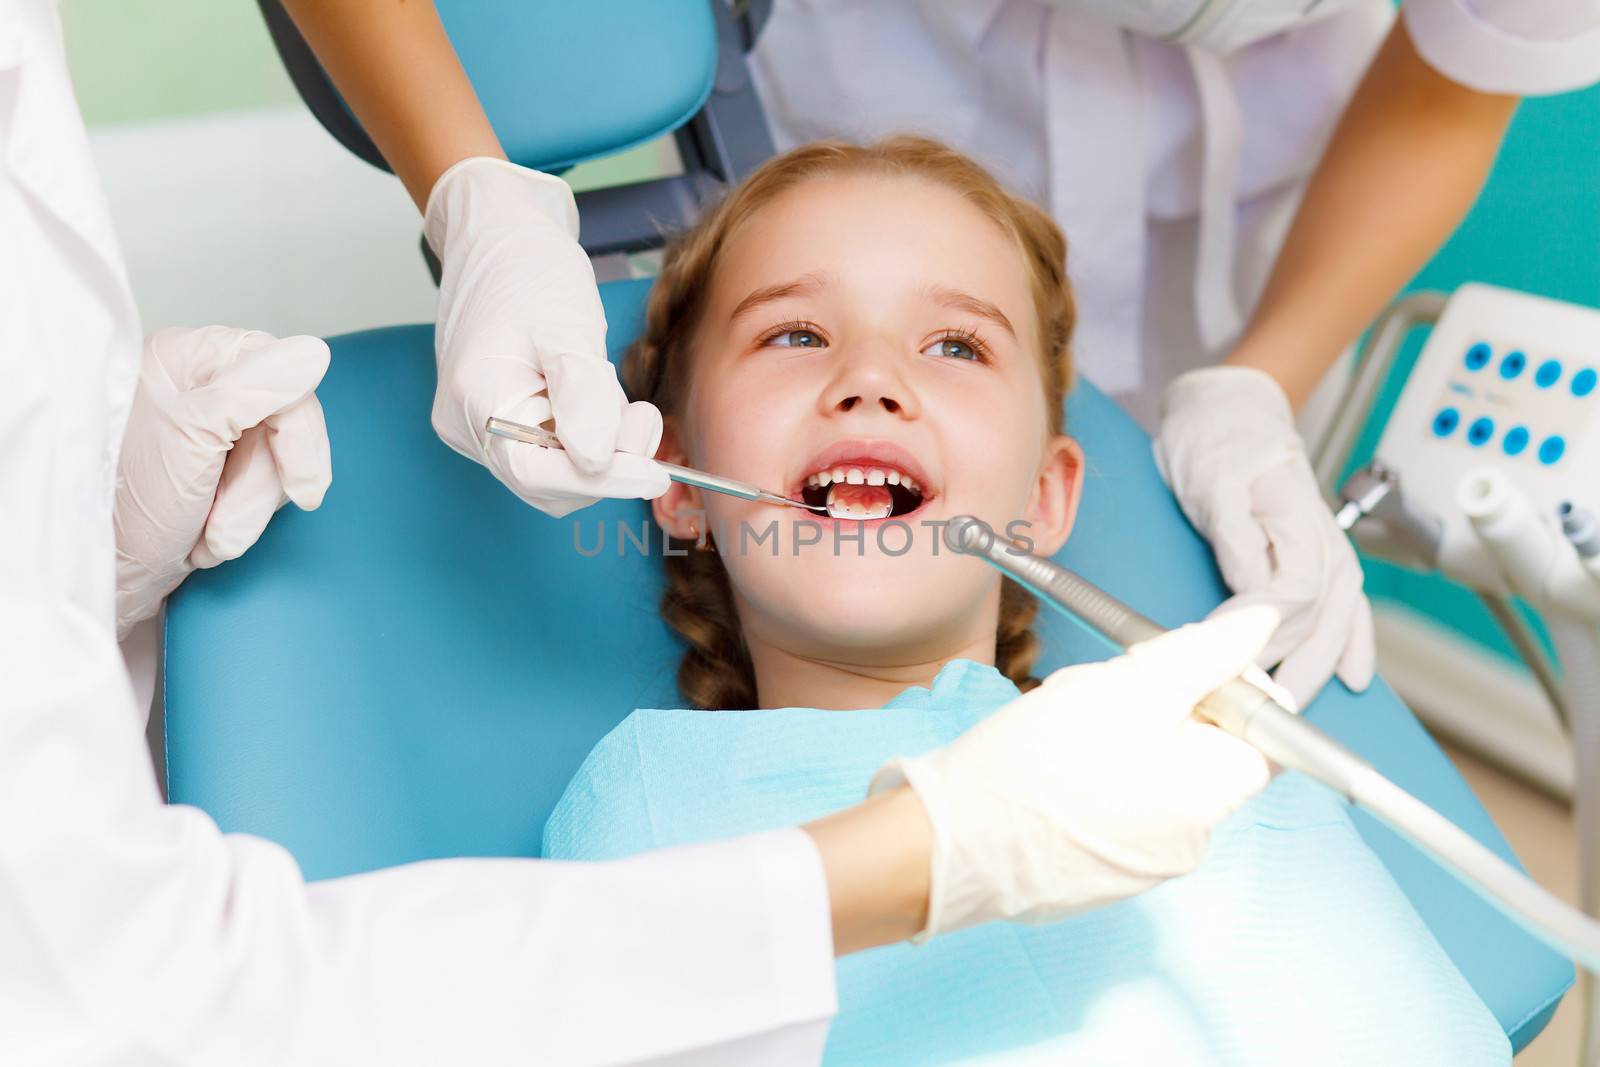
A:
(521, 336)
(1229, 450)
(224, 428)
(1095, 786)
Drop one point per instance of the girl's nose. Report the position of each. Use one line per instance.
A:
(870, 377)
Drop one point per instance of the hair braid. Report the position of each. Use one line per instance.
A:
(1016, 646)
(715, 672)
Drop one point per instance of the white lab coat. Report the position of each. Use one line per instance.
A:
(1174, 171)
(136, 933)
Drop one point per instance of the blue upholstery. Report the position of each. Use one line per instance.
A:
(418, 668)
(593, 69)
(561, 82)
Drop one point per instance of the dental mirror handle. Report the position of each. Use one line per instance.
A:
(715, 483)
(730, 486)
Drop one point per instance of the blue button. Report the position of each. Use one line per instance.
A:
(1548, 374)
(1480, 431)
(1478, 356)
(1512, 365)
(1515, 441)
(1583, 382)
(1445, 423)
(1552, 449)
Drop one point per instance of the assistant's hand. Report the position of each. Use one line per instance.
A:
(521, 336)
(1095, 786)
(224, 428)
(1229, 451)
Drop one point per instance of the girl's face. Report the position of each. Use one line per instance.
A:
(882, 328)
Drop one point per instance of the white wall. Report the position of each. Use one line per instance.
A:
(260, 219)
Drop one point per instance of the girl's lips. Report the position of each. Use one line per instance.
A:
(865, 454)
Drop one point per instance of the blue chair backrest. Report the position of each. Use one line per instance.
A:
(565, 82)
(561, 82)
(417, 669)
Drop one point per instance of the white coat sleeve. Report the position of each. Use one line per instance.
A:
(137, 932)
(1518, 47)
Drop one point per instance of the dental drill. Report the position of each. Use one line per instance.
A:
(1254, 716)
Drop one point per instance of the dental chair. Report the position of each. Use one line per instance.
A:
(417, 669)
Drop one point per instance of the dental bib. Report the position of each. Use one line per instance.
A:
(1290, 944)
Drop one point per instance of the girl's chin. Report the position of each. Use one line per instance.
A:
(871, 630)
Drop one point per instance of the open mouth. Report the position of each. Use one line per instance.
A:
(864, 491)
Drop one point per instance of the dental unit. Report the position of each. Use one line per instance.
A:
(1496, 438)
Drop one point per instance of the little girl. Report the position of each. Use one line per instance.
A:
(883, 332)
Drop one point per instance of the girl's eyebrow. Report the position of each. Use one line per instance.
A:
(804, 285)
(960, 301)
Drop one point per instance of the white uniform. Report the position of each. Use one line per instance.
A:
(1174, 169)
(132, 932)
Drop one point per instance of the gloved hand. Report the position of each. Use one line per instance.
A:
(1229, 450)
(224, 428)
(1095, 786)
(521, 335)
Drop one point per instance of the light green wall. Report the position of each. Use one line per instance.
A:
(142, 60)
(134, 60)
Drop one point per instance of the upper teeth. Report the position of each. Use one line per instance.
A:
(862, 476)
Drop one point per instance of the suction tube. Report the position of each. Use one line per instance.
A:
(1251, 714)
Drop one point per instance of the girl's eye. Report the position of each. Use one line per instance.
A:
(796, 338)
(954, 348)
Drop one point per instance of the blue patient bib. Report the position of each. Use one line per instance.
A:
(1290, 945)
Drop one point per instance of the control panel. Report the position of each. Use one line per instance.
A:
(1506, 380)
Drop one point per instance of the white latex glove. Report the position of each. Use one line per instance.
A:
(224, 428)
(521, 336)
(1095, 786)
(1229, 450)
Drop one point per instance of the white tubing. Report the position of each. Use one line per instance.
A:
(1506, 522)
(1532, 554)
(1293, 742)
(1550, 919)
(1252, 714)
(1579, 648)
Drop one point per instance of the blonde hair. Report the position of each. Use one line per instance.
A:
(716, 672)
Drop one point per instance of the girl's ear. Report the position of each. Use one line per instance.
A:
(1055, 503)
(679, 511)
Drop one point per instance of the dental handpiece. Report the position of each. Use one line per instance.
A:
(715, 483)
(1241, 708)
(1253, 715)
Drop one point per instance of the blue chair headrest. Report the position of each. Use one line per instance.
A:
(606, 74)
(561, 82)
